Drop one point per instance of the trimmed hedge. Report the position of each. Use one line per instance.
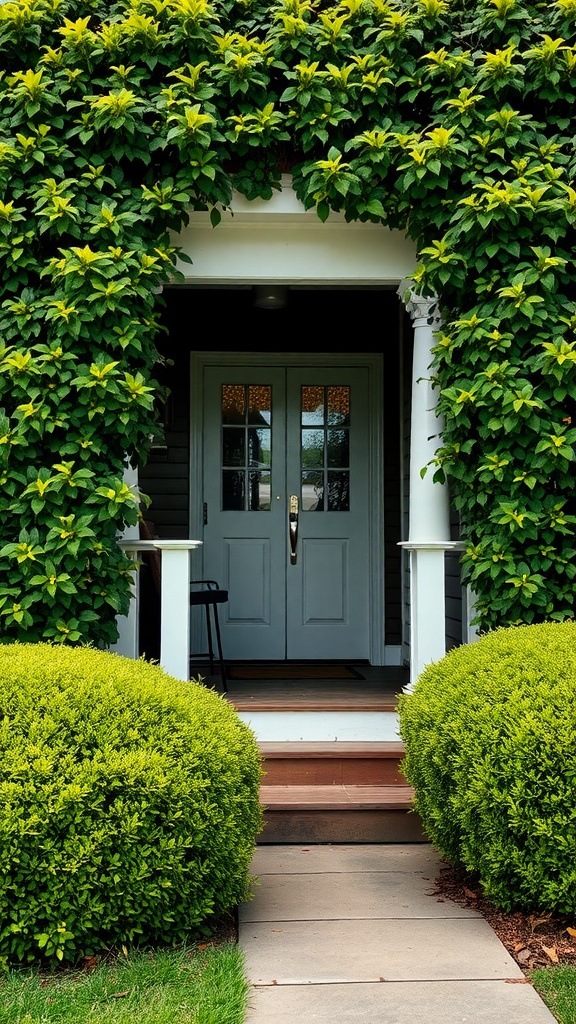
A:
(129, 803)
(490, 737)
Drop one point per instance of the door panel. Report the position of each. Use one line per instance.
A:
(243, 547)
(327, 588)
(270, 433)
(248, 559)
(324, 581)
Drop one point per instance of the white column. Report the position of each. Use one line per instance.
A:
(174, 601)
(175, 606)
(127, 643)
(429, 508)
(429, 532)
(469, 599)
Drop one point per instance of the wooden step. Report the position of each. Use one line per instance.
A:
(334, 763)
(339, 814)
(336, 793)
(313, 702)
(378, 694)
(336, 798)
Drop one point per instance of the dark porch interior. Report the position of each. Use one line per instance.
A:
(313, 320)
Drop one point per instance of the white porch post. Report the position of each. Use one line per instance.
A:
(429, 532)
(127, 643)
(470, 631)
(174, 601)
(175, 606)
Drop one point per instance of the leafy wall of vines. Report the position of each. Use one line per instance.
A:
(450, 120)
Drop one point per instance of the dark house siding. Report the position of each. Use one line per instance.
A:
(165, 477)
(455, 606)
(393, 403)
(453, 601)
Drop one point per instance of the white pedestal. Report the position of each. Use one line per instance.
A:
(174, 605)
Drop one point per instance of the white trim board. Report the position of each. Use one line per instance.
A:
(323, 726)
(263, 241)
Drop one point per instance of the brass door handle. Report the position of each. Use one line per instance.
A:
(293, 527)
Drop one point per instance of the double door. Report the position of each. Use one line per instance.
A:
(286, 509)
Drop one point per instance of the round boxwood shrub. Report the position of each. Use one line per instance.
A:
(490, 749)
(129, 803)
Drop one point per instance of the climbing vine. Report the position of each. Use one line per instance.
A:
(452, 121)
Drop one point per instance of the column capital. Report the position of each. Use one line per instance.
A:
(432, 545)
(422, 309)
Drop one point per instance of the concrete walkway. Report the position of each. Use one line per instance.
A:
(355, 935)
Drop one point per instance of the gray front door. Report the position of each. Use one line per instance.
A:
(285, 487)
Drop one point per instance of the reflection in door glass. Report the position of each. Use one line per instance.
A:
(338, 492)
(338, 453)
(312, 492)
(312, 406)
(233, 491)
(259, 407)
(233, 403)
(233, 447)
(338, 406)
(258, 447)
(325, 449)
(246, 416)
(312, 448)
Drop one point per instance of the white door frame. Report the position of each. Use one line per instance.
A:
(376, 483)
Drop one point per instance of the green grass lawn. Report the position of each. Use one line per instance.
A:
(557, 987)
(188, 986)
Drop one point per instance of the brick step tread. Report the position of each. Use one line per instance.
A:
(336, 797)
(336, 748)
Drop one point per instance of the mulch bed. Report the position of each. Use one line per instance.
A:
(222, 930)
(533, 940)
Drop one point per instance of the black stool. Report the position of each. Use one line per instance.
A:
(210, 597)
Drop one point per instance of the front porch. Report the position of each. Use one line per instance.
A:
(330, 274)
(413, 604)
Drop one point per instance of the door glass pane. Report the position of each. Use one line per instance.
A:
(339, 406)
(233, 441)
(338, 492)
(259, 406)
(312, 449)
(233, 403)
(259, 492)
(312, 492)
(246, 417)
(312, 405)
(232, 490)
(325, 448)
(259, 447)
(338, 448)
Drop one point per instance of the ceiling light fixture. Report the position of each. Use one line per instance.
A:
(270, 296)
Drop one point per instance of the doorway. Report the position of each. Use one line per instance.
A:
(174, 475)
(286, 530)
